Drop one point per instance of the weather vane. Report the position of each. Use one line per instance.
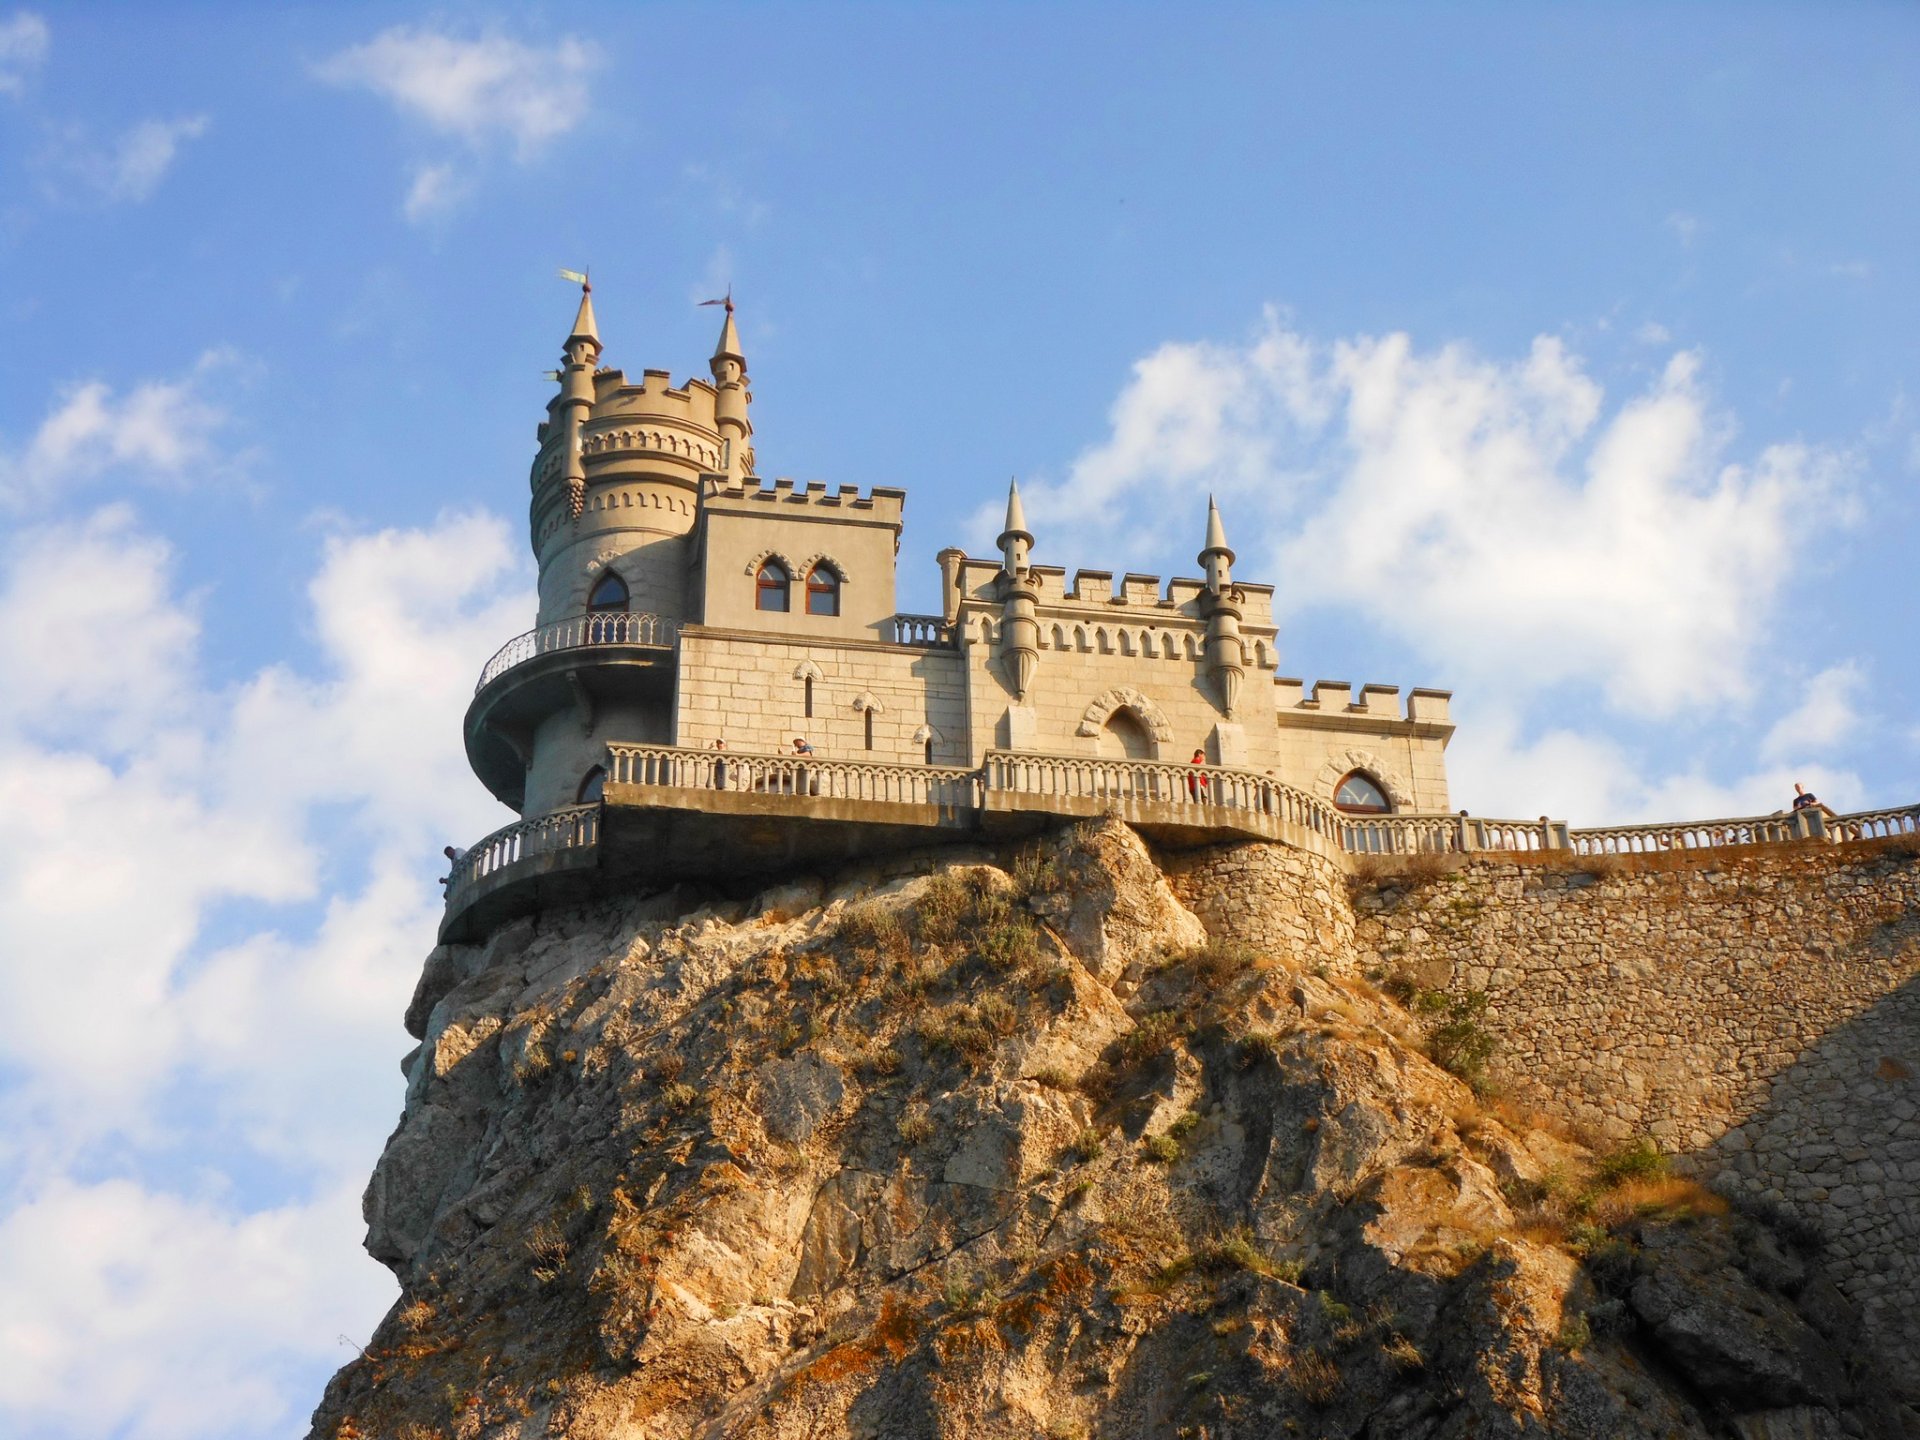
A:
(578, 277)
(726, 300)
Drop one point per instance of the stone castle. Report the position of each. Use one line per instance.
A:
(696, 623)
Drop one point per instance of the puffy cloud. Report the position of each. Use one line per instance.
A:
(137, 1313)
(163, 428)
(484, 92)
(166, 1036)
(123, 171)
(1496, 515)
(24, 43)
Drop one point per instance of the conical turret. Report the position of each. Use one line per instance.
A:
(580, 354)
(1220, 604)
(1019, 623)
(731, 399)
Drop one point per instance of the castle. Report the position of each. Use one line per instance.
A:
(684, 604)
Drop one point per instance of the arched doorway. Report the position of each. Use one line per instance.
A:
(1124, 737)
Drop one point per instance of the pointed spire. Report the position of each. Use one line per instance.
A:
(1016, 515)
(584, 327)
(729, 346)
(1216, 534)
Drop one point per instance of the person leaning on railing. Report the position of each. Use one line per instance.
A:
(454, 856)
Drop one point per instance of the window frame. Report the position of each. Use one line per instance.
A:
(824, 580)
(1385, 807)
(764, 586)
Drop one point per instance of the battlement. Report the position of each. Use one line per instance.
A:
(1339, 697)
(1094, 590)
(883, 504)
(655, 395)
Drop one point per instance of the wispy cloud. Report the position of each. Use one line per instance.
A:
(25, 41)
(1687, 227)
(158, 429)
(489, 92)
(125, 170)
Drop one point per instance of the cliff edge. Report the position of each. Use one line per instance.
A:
(1005, 1144)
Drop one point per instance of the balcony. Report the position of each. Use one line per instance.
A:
(629, 652)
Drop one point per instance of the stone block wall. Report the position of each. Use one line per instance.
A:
(746, 690)
(1755, 1011)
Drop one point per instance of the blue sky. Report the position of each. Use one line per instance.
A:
(1558, 355)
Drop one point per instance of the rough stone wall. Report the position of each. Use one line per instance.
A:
(1289, 903)
(1757, 1012)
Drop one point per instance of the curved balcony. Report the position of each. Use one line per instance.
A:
(583, 660)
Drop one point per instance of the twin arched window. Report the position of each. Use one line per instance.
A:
(1358, 793)
(823, 591)
(773, 589)
(771, 586)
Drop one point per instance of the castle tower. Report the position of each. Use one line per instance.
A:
(616, 488)
(1220, 604)
(1019, 624)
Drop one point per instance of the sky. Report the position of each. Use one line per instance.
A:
(1559, 356)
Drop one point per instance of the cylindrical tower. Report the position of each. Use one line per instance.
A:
(1221, 605)
(1019, 625)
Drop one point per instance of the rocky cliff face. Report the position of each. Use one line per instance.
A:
(1005, 1145)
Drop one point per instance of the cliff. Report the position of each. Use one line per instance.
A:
(1010, 1144)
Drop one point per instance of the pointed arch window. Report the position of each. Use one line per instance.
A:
(823, 591)
(1358, 793)
(592, 786)
(606, 602)
(608, 593)
(771, 587)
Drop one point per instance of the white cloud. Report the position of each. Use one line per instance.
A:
(1589, 778)
(436, 189)
(1653, 333)
(1496, 515)
(1686, 226)
(200, 1294)
(485, 92)
(125, 170)
(136, 1313)
(159, 428)
(1826, 715)
(24, 43)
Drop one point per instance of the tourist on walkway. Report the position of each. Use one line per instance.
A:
(454, 856)
(1197, 781)
(720, 765)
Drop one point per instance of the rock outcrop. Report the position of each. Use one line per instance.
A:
(1005, 1145)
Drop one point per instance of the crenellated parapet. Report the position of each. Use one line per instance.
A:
(1340, 702)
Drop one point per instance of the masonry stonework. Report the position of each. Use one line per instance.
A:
(1755, 1011)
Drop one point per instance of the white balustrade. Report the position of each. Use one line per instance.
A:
(804, 775)
(598, 627)
(1874, 824)
(1695, 835)
(919, 630)
(575, 827)
(1212, 793)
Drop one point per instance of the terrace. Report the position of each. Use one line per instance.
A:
(672, 813)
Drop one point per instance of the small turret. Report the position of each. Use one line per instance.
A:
(731, 399)
(1220, 603)
(1019, 624)
(579, 357)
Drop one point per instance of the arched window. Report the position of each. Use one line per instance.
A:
(592, 786)
(869, 729)
(608, 593)
(809, 683)
(1358, 793)
(823, 591)
(770, 587)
